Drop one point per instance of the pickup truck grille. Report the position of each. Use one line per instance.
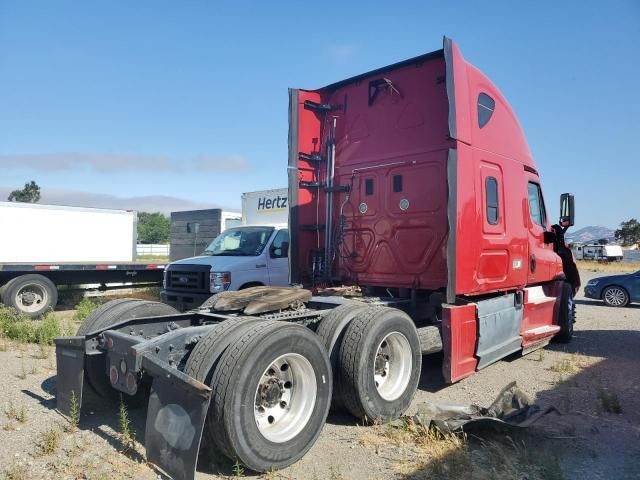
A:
(195, 280)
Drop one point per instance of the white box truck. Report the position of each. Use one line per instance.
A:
(253, 254)
(44, 246)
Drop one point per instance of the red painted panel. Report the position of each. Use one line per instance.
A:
(541, 307)
(459, 337)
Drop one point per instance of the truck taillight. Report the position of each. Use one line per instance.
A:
(219, 281)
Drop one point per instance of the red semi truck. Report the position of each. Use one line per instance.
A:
(417, 225)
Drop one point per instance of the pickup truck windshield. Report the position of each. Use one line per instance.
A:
(241, 242)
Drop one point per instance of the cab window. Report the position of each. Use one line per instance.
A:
(280, 245)
(536, 205)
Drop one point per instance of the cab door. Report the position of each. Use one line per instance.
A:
(541, 258)
(278, 259)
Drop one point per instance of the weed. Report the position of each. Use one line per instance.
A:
(238, 471)
(17, 471)
(334, 474)
(3, 346)
(43, 352)
(127, 436)
(17, 327)
(18, 414)
(609, 401)
(84, 308)
(49, 441)
(22, 374)
(74, 412)
(540, 356)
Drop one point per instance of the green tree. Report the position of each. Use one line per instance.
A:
(29, 194)
(603, 241)
(153, 227)
(629, 232)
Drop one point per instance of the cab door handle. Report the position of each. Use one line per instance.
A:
(532, 261)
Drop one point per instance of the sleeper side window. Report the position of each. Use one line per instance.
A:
(486, 106)
(536, 204)
(491, 195)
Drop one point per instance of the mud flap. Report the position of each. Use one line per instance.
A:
(176, 414)
(70, 353)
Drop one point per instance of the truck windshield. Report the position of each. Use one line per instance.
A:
(241, 241)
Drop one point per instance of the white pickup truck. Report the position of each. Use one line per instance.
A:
(240, 257)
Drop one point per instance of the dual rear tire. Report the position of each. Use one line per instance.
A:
(272, 388)
(379, 364)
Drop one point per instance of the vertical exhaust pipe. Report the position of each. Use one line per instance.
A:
(328, 234)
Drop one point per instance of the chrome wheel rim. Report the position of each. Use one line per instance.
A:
(392, 366)
(615, 296)
(30, 298)
(285, 397)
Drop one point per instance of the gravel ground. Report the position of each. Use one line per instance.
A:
(598, 371)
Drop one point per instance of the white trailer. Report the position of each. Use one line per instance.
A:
(43, 246)
(608, 253)
(265, 207)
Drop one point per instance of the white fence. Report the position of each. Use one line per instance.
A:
(152, 249)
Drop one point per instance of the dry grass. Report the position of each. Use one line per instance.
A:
(16, 471)
(593, 266)
(422, 452)
(49, 441)
(14, 413)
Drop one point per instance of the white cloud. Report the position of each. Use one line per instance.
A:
(145, 203)
(119, 162)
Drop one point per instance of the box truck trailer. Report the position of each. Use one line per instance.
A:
(253, 254)
(417, 225)
(46, 246)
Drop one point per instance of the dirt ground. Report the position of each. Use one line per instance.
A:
(594, 382)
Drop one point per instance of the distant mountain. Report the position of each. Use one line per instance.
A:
(590, 234)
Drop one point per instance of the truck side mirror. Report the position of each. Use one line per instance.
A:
(567, 210)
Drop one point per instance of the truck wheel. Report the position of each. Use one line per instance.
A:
(380, 363)
(107, 315)
(615, 296)
(31, 295)
(331, 332)
(566, 315)
(204, 357)
(272, 391)
(211, 301)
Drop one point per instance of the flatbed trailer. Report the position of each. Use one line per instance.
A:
(417, 226)
(32, 288)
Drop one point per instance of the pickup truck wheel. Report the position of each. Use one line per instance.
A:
(380, 363)
(31, 295)
(566, 315)
(101, 319)
(331, 332)
(272, 391)
(615, 296)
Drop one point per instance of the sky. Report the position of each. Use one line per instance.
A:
(176, 105)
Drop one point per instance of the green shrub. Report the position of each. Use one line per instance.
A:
(84, 308)
(17, 327)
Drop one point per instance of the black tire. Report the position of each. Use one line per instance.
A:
(430, 339)
(211, 301)
(100, 315)
(566, 315)
(32, 295)
(203, 361)
(235, 384)
(615, 296)
(204, 357)
(331, 332)
(364, 344)
(107, 315)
